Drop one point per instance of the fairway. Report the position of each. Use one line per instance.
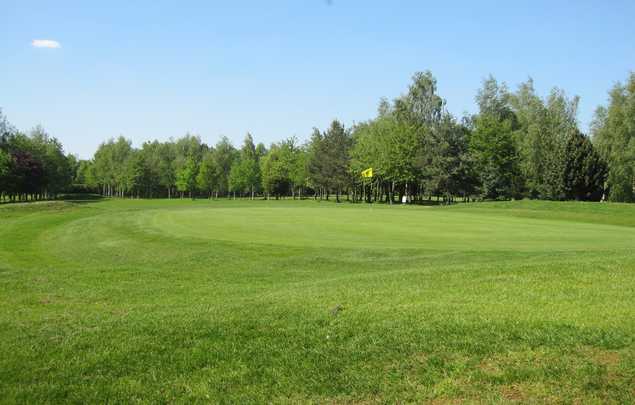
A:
(306, 301)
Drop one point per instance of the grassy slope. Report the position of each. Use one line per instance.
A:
(305, 301)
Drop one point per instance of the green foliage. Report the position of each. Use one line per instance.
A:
(337, 143)
(149, 164)
(328, 160)
(494, 99)
(316, 165)
(449, 167)
(224, 156)
(519, 145)
(188, 152)
(391, 147)
(208, 174)
(584, 170)
(422, 105)
(5, 163)
(614, 134)
(541, 130)
(55, 164)
(281, 167)
(237, 176)
(85, 174)
(115, 168)
(32, 166)
(495, 157)
(245, 172)
(186, 176)
(275, 179)
(414, 146)
(167, 155)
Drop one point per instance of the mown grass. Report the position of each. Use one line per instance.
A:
(288, 301)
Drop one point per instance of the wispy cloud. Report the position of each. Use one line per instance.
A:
(45, 43)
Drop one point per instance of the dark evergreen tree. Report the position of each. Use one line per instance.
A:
(584, 170)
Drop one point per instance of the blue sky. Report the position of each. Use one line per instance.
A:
(157, 69)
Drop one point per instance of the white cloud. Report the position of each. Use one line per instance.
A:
(45, 43)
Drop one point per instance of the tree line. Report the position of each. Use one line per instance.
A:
(518, 145)
(32, 166)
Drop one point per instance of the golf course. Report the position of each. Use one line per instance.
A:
(239, 301)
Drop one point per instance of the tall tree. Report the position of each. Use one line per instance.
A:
(419, 115)
(495, 157)
(614, 134)
(316, 163)
(542, 132)
(208, 174)
(224, 156)
(186, 177)
(57, 173)
(584, 170)
(249, 167)
(85, 176)
(104, 167)
(275, 172)
(450, 169)
(421, 104)
(337, 143)
(237, 178)
(188, 154)
(167, 167)
(298, 173)
(494, 99)
(5, 169)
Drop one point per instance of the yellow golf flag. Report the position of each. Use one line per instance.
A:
(368, 172)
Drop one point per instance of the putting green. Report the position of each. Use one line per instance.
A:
(409, 228)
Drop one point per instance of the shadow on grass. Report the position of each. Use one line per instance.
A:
(80, 198)
(70, 198)
(419, 203)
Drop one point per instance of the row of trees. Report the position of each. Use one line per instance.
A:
(189, 167)
(33, 165)
(518, 145)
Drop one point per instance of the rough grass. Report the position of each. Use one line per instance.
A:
(287, 301)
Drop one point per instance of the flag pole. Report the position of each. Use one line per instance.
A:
(367, 173)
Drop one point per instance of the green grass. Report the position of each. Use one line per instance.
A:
(288, 301)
